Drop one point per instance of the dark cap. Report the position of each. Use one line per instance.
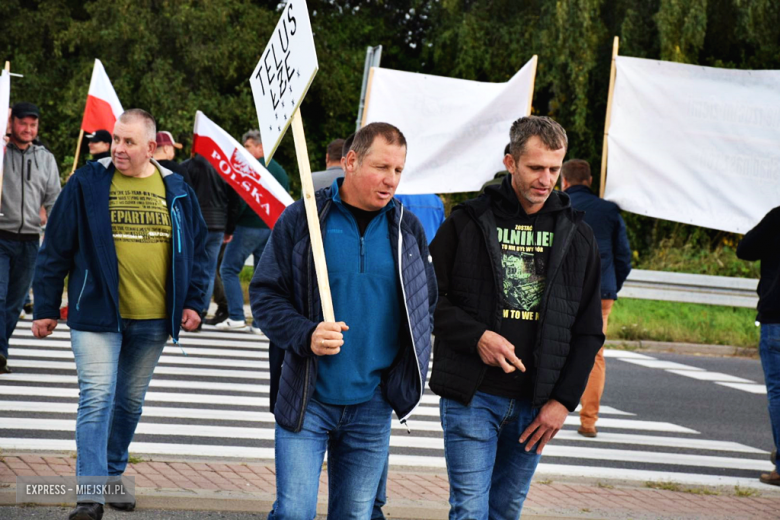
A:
(99, 136)
(25, 109)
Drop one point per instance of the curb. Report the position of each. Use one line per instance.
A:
(691, 349)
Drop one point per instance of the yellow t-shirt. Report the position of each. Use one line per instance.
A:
(141, 225)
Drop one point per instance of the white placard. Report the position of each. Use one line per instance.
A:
(5, 100)
(456, 129)
(695, 144)
(284, 73)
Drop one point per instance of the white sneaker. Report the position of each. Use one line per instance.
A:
(229, 324)
(256, 330)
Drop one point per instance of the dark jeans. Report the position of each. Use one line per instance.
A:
(17, 266)
(219, 290)
(769, 349)
(213, 241)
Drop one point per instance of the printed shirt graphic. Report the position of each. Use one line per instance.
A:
(141, 224)
(525, 250)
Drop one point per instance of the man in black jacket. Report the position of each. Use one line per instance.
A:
(763, 243)
(517, 326)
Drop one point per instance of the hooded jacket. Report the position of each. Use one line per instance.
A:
(763, 243)
(79, 242)
(30, 180)
(467, 258)
(285, 300)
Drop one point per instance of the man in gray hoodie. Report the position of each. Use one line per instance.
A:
(31, 180)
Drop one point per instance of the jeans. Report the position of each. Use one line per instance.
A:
(246, 241)
(489, 470)
(17, 266)
(356, 437)
(213, 241)
(381, 495)
(114, 370)
(769, 348)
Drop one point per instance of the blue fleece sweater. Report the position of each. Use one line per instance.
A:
(365, 288)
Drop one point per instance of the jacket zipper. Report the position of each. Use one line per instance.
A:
(174, 222)
(408, 319)
(21, 225)
(83, 286)
(362, 254)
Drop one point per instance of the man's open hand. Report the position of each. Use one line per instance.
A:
(496, 351)
(327, 339)
(43, 328)
(545, 426)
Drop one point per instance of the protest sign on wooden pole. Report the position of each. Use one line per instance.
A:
(368, 96)
(5, 100)
(612, 73)
(534, 61)
(78, 149)
(279, 83)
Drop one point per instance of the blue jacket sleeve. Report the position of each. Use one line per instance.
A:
(56, 255)
(621, 253)
(199, 278)
(272, 290)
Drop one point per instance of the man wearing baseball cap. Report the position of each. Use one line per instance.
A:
(99, 143)
(30, 180)
(166, 151)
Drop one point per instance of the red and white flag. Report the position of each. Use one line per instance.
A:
(261, 191)
(103, 106)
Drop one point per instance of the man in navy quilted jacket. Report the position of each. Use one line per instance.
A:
(341, 381)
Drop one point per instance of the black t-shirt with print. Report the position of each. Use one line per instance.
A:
(526, 242)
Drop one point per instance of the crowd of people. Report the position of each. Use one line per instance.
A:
(511, 295)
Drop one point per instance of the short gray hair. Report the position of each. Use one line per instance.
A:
(138, 114)
(254, 135)
(552, 135)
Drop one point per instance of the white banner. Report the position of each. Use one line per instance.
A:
(456, 129)
(5, 100)
(695, 144)
(284, 73)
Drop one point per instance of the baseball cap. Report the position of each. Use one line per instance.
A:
(25, 109)
(165, 138)
(99, 136)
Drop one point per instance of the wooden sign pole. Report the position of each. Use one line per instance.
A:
(78, 149)
(2, 143)
(603, 184)
(535, 59)
(368, 96)
(315, 233)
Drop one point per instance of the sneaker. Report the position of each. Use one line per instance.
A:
(588, 432)
(256, 330)
(122, 506)
(220, 316)
(4, 365)
(28, 308)
(229, 324)
(87, 511)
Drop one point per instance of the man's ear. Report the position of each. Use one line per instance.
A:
(509, 163)
(350, 162)
(152, 146)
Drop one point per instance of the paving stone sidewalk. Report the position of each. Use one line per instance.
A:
(412, 494)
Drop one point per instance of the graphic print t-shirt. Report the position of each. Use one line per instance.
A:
(525, 244)
(141, 225)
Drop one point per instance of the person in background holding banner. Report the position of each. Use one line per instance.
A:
(615, 252)
(219, 204)
(31, 180)
(130, 237)
(249, 238)
(341, 381)
(99, 144)
(333, 169)
(763, 243)
(517, 326)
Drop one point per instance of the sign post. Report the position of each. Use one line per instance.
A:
(279, 83)
(5, 100)
(612, 74)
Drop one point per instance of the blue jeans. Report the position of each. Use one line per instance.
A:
(17, 266)
(489, 470)
(769, 348)
(213, 242)
(356, 437)
(114, 370)
(246, 241)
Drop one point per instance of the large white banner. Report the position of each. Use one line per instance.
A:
(456, 129)
(695, 144)
(284, 74)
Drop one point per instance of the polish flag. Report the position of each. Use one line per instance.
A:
(261, 191)
(103, 106)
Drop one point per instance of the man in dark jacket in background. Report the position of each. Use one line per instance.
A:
(517, 326)
(763, 243)
(219, 204)
(129, 236)
(341, 381)
(610, 231)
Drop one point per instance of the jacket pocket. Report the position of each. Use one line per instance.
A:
(83, 286)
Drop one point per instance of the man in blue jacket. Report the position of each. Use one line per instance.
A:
(610, 231)
(130, 236)
(340, 381)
